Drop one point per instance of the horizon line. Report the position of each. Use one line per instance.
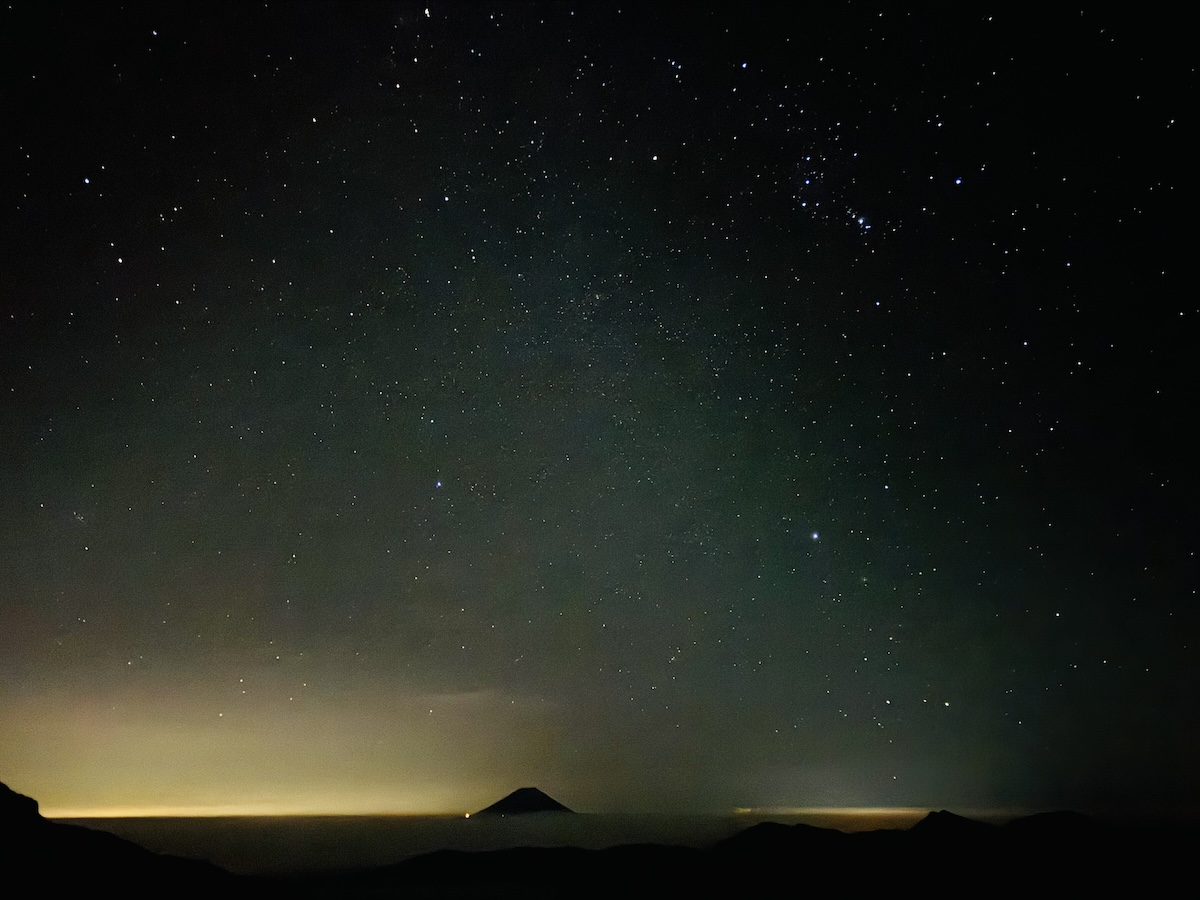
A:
(264, 811)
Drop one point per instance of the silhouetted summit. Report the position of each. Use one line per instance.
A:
(944, 825)
(76, 859)
(16, 808)
(522, 801)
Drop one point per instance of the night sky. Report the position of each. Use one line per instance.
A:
(675, 407)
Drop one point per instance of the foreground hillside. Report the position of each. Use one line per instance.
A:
(943, 854)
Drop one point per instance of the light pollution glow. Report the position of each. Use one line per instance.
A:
(149, 756)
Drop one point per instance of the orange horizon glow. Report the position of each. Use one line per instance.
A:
(845, 818)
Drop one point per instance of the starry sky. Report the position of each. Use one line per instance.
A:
(675, 406)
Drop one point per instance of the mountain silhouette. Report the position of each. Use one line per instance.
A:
(17, 809)
(74, 859)
(1053, 853)
(942, 825)
(523, 801)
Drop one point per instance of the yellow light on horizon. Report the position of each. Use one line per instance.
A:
(246, 810)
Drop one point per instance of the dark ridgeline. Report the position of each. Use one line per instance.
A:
(1059, 853)
(49, 859)
(523, 801)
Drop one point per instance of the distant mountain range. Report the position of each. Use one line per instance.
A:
(943, 854)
